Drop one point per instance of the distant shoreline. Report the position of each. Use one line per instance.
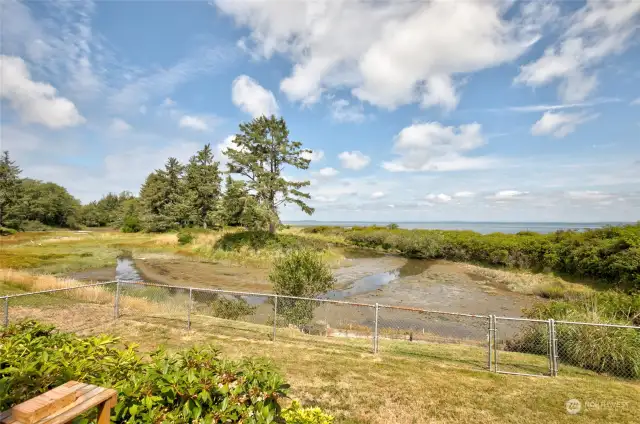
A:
(477, 226)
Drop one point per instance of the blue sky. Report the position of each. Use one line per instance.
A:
(427, 110)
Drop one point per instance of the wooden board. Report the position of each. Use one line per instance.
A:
(86, 396)
(44, 405)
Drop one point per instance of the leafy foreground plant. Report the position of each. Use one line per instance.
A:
(193, 386)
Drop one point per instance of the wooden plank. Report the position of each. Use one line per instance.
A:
(83, 404)
(44, 405)
(87, 397)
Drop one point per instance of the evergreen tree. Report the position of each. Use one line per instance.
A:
(163, 198)
(232, 203)
(203, 184)
(9, 185)
(263, 150)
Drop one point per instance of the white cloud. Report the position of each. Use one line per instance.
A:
(143, 110)
(440, 198)
(194, 122)
(560, 124)
(119, 125)
(161, 82)
(388, 53)
(313, 155)
(545, 108)
(35, 102)
(636, 102)
(589, 195)
(328, 172)
(508, 195)
(354, 160)
(599, 29)
(433, 147)
(252, 98)
(60, 45)
(342, 111)
(464, 194)
(377, 195)
(168, 102)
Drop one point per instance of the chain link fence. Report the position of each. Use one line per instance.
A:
(420, 332)
(500, 344)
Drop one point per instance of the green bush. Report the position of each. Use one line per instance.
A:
(131, 224)
(300, 273)
(296, 414)
(263, 240)
(610, 254)
(34, 226)
(185, 237)
(231, 308)
(4, 231)
(393, 226)
(185, 387)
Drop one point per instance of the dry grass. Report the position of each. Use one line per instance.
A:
(526, 282)
(12, 282)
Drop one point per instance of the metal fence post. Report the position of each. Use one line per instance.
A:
(550, 346)
(189, 308)
(375, 331)
(6, 312)
(489, 337)
(116, 303)
(554, 348)
(275, 316)
(495, 344)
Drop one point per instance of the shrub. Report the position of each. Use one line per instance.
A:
(34, 226)
(131, 224)
(263, 240)
(296, 414)
(185, 237)
(4, 231)
(393, 226)
(35, 358)
(188, 386)
(225, 308)
(611, 254)
(300, 273)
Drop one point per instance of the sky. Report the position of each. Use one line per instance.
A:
(475, 110)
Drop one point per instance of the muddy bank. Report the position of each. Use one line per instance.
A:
(174, 270)
(95, 275)
(448, 286)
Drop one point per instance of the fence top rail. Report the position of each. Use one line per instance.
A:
(407, 308)
(598, 324)
(523, 319)
(9, 296)
(241, 293)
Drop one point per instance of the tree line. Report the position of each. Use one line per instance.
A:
(196, 194)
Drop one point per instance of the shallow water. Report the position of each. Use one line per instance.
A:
(126, 269)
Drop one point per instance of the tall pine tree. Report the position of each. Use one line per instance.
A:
(9, 185)
(263, 150)
(163, 197)
(203, 185)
